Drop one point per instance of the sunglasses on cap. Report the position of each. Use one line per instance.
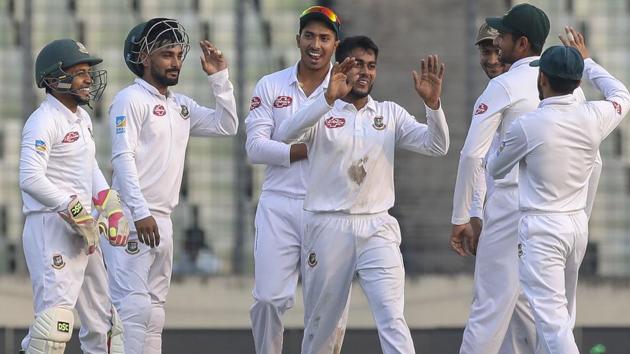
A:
(324, 11)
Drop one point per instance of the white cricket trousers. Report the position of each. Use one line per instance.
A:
(552, 247)
(500, 319)
(62, 275)
(139, 279)
(338, 246)
(279, 227)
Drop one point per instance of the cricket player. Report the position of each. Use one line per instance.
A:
(59, 180)
(351, 141)
(521, 334)
(279, 220)
(492, 67)
(488, 52)
(555, 148)
(522, 34)
(150, 127)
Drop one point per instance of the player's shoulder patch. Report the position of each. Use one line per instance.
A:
(40, 146)
(121, 124)
(481, 109)
(617, 107)
(255, 103)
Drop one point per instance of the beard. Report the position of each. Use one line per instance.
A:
(163, 79)
(80, 100)
(356, 94)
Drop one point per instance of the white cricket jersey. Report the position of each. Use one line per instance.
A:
(276, 98)
(506, 97)
(351, 152)
(57, 159)
(150, 133)
(557, 145)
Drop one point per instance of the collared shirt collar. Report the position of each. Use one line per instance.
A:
(523, 61)
(563, 100)
(70, 116)
(293, 79)
(341, 105)
(154, 91)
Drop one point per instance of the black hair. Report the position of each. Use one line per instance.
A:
(560, 85)
(536, 48)
(348, 44)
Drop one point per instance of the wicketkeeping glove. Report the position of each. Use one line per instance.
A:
(82, 222)
(108, 204)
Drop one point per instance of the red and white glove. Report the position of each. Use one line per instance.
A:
(82, 222)
(108, 204)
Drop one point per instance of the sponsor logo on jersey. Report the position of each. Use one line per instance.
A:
(132, 247)
(184, 112)
(63, 326)
(378, 123)
(617, 107)
(121, 124)
(40, 146)
(282, 101)
(334, 122)
(159, 110)
(70, 137)
(482, 108)
(57, 261)
(255, 103)
(312, 259)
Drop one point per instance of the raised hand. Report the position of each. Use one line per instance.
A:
(428, 83)
(212, 60)
(575, 39)
(339, 84)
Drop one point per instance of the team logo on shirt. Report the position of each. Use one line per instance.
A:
(482, 108)
(70, 137)
(334, 122)
(378, 123)
(40, 146)
(121, 124)
(185, 113)
(282, 101)
(255, 103)
(312, 259)
(58, 262)
(159, 110)
(132, 247)
(617, 107)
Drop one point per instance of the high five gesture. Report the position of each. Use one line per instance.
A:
(428, 82)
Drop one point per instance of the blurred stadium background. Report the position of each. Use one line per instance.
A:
(208, 305)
